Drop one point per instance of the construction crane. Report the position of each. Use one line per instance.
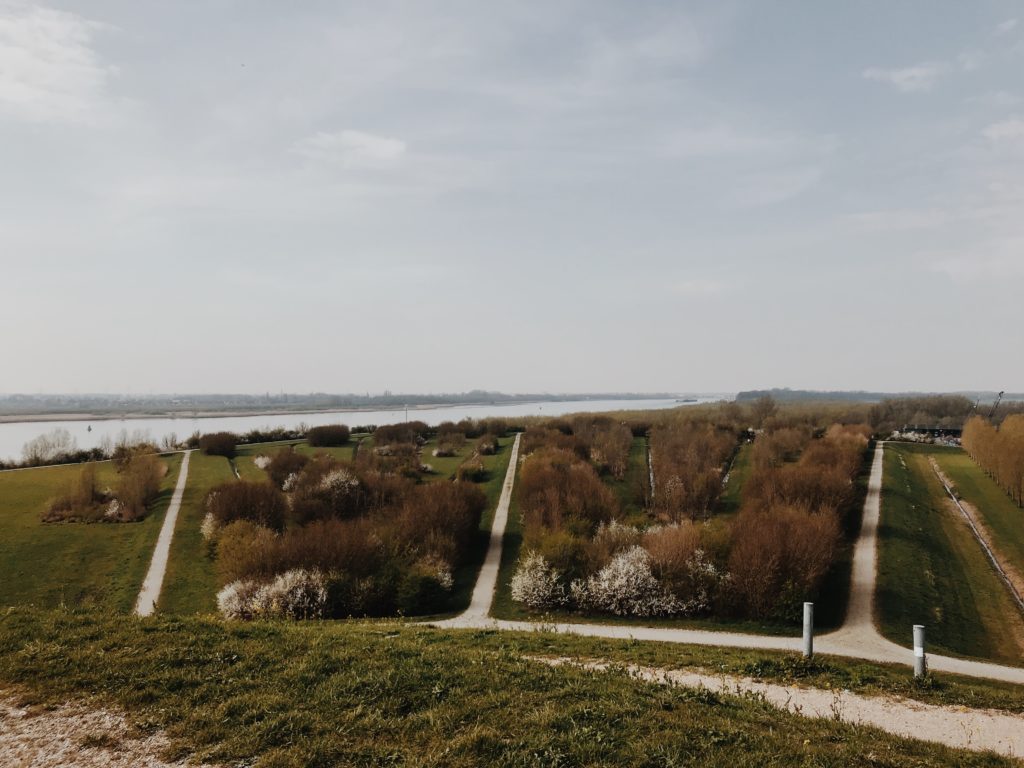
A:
(995, 405)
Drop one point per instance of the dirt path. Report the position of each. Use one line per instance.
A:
(857, 638)
(486, 582)
(150, 592)
(75, 735)
(974, 729)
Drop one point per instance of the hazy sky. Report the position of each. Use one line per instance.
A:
(528, 196)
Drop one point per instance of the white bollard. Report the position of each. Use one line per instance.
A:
(808, 630)
(920, 662)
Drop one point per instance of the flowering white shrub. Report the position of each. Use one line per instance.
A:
(338, 481)
(295, 594)
(290, 481)
(209, 527)
(626, 587)
(704, 578)
(261, 461)
(235, 601)
(536, 583)
(113, 510)
(426, 468)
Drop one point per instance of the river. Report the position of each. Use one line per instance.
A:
(90, 434)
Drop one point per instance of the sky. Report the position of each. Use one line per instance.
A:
(231, 196)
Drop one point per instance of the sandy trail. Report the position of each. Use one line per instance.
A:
(487, 580)
(974, 729)
(151, 585)
(75, 735)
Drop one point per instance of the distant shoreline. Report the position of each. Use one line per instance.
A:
(19, 418)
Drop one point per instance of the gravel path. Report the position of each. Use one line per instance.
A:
(150, 592)
(857, 638)
(75, 735)
(959, 727)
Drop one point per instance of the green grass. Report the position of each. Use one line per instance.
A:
(931, 571)
(379, 693)
(729, 501)
(75, 564)
(632, 488)
(444, 466)
(190, 585)
(1003, 518)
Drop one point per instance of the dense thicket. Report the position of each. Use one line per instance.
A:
(688, 462)
(999, 451)
(926, 410)
(327, 436)
(219, 444)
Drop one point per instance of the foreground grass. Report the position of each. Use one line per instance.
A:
(387, 693)
(1003, 518)
(75, 564)
(931, 571)
(190, 585)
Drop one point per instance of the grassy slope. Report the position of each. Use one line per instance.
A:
(1004, 519)
(932, 572)
(378, 693)
(88, 564)
(190, 585)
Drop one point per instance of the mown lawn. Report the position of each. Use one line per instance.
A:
(74, 564)
(190, 585)
(931, 571)
(384, 693)
(1003, 518)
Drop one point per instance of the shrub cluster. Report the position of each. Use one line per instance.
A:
(135, 488)
(328, 436)
(381, 543)
(688, 461)
(219, 444)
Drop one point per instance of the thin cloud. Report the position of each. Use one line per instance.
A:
(352, 149)
(1006, 27)
(49, 70)
(919, 77)
(1010, 130)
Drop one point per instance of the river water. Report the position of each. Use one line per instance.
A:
(90, 434)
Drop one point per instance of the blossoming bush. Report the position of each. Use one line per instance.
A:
(626, 587)
(294, 594)
(537, 584)
(261, 461)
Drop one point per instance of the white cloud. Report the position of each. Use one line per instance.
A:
(920, 77)
(49, 70)
(898, 219)
(1006, 27)
(1011, 130)
(352, 149)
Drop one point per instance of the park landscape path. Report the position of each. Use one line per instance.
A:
(151, 585)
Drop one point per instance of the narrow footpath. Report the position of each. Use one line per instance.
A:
(151, 585)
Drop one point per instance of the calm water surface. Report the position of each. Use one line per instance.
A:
(14, 436)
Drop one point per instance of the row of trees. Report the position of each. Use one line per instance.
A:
(999, 451)
(688, 459)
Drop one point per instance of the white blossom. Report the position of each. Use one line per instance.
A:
(536, 583)
(261, 461)
(626, 587)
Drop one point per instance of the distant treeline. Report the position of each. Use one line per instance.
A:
(104, 403)
(859, 396)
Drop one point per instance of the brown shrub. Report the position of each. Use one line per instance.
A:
(557, 489)
(138, 484)
(259, 503)
(219, 444)
(285, 463)
(328, 435)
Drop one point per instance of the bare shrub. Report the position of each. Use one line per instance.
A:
(259, 503)
(328, 436)
(219, 444)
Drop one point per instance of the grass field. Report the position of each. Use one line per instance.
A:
(190, 585)
(1003, 518)
(384, 693)
(76, 564)
(931, 571)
